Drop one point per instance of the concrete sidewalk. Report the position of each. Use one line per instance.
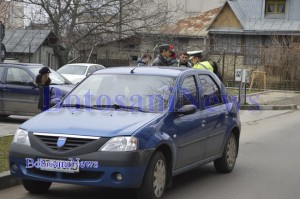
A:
(272, 100)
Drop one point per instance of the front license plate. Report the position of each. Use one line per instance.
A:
(66, 166)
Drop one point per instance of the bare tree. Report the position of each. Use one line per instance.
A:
(80, 24)
(4, 6)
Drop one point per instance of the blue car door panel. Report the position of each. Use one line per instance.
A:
(216, 115)
(18, 94)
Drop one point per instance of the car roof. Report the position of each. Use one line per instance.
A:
(24, 64)
(82, 64)
(151, 70)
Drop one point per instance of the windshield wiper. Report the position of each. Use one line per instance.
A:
(76, 106)
(118, 106)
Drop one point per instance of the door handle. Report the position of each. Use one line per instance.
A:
(203, 123)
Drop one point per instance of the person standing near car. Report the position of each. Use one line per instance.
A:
(184, 60)
(199, 62)
(165, 52)
(144, 61)
(43, 81)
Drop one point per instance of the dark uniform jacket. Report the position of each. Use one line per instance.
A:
(160, 61)
(44, 93)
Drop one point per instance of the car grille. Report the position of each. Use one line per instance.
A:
(72, 142)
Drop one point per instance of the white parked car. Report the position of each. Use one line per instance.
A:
(75, 73)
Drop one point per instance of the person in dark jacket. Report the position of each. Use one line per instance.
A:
(216, 70)
(165, 51)
(184, 60)
(43, 81)
(144, 61)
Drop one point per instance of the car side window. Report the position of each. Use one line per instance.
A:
(91, 70)
(1, 72)
(99, 67)
(211, 94)
(188, 93)
(18, 76)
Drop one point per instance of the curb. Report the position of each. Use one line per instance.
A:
(7, 180)
(269, 107)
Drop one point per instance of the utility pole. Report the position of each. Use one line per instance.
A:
(120, 22)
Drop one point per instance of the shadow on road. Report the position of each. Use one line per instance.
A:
(57, 191)
(14, 119)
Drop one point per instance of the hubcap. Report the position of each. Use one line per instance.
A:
(159, 178)
(231, 152)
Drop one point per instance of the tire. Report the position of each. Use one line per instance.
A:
(36, 187)
(225, 164)
(155, 178)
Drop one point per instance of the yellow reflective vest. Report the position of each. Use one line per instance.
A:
(205, 65)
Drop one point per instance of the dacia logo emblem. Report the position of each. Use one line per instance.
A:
(61, 142)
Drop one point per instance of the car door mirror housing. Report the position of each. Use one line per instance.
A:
(187, 109)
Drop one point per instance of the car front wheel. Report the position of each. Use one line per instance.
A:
(226, 163)
(154, 183)
(36, 187)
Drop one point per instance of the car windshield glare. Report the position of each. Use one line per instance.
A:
(55, 77)
(72, 69)
(139, 92)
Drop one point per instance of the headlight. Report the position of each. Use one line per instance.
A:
(21, 137)
(120, 144)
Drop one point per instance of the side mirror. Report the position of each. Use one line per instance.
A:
(187, 109)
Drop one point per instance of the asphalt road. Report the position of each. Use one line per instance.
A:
(267, 167)
(8, 125)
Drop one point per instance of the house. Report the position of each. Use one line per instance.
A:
(186, 35)
(259, 35)
(188, 8)
(31, 46)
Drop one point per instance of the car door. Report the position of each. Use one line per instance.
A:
(20, 96)
(189, 133)
(2, 68)
(216, 114)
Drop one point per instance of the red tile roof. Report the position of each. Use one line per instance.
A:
(192, 26)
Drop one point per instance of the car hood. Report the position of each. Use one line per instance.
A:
(88, 122)
(74, 78)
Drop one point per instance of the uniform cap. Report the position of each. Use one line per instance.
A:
(44, 70)
(167, 47)
(197, 53)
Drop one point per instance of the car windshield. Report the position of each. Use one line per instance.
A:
(139, 92)
(55, 77)
(72, 69)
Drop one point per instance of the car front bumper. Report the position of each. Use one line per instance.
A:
(131, 166)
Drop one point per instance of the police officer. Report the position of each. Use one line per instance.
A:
(43, 81)
(165, 52)
(198, 62)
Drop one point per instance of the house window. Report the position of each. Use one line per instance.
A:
(275, 6)
(134, 58)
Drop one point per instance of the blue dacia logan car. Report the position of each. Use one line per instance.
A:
(129, 127)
